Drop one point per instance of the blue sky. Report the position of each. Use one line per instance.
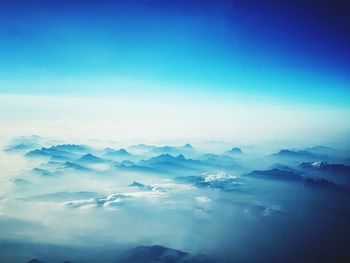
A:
(286, 59)
(285, 49)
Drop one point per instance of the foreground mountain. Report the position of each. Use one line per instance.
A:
(323, 166)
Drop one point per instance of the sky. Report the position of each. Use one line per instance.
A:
(179, 62)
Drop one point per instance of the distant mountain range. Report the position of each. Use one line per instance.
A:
(168, 161)
(296, 154)
(153, 254)
(276, 174)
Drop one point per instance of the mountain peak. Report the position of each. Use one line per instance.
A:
(188, 146)
(90, 158)
(235, 150)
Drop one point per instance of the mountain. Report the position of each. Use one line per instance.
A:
(113, 152)
(295, 154)
(234, 151)
(215, 181)
(149, 254)
(74, 166)
(174, 150)
(130, 166)
(141, 186)
(19, 181)
(276, 174)
(76, 148)
(20, 147)
(126, 163)
(311, 182)
(192, 179)
(160, 254)
(59, 168)
(214, 160)
(35, 260)
(323, 166)
(89, 158)
(42, 172)
(169, 161)
(24, 143)
(53, 152)
(188, 146)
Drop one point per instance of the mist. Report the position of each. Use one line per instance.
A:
(83, 203)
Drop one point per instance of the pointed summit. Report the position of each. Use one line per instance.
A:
(188, 146)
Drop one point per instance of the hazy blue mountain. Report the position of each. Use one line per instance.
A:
(113, 152)
(59, 168)
(281, 167)
(19, 181)
(169, 161)
(126, 163)
(35, 260)
(276, 174)
(76, 148)
(323, 166)
(188, 146)
(52, 152)
(90, 158)
(323, 183)
(216, 181)
(23, 143)
(134, 167)
(140, 186)
(146, 254)
(296, 154)
(174, 150)
(74, 166)
(223, 161)
(192, 179)
(156, 254)
(145, 187)
(234, 151)
(42, 172)
(20, 147)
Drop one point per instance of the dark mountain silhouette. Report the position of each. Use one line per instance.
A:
(311, 182)
(160, 254)
(276, 174)
(35, 260)
(323, 166)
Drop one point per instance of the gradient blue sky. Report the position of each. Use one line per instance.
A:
(292, 55)
(290, 49)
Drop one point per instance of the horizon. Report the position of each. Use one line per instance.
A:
(198, 131)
